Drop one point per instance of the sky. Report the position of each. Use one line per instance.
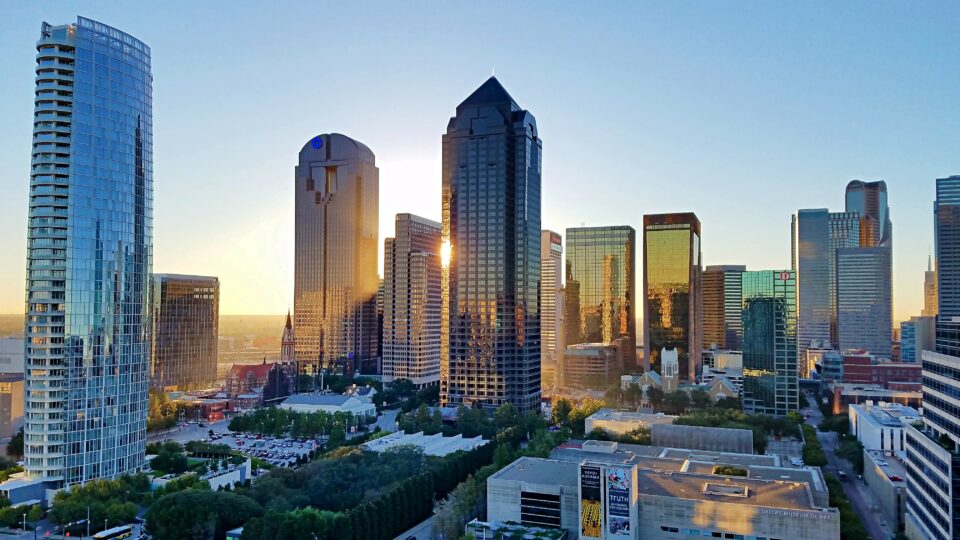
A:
(742, 112)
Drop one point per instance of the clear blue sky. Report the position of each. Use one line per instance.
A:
(742, 112)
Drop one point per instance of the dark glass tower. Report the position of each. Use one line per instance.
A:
(600, 302)
(490, 327)
(90, 236)
(185, 320)
(335, 270)
(770, 379)
(672, 308)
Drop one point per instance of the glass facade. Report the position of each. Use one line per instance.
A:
(600, 294)
(411, 302)
(490, 349)
(672, 290)
(90, 237)
(335, 264)
(770, 378)
(869, 201)
(186, 315)
(864, 319)
(722, 327)
(551, 305)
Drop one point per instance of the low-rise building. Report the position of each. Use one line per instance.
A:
(432, 445)
(610, 491)
(841, 395)
(622, 422)
(11, 405)
(880, 426)
(329, 403)
(887, 478)
(591, 365)
(363, 393)
(703, 438)
(277, 379)
(863, 368)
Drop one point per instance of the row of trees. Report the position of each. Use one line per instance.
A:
(279, 422)
(471, 422)
(850, 526)
(110, 502)
(14, 517)
(812, 449)
(762, 425)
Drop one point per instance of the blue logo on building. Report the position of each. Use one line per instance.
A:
(316, 142)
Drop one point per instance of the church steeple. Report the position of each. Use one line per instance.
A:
(287, 342)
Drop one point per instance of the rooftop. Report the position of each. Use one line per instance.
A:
(738, 490)
(336, 400)
(611, 415)
(432, 445)
(890, 467)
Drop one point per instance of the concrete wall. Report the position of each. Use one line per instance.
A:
(702, 438)
(503, 501)
(892, 499)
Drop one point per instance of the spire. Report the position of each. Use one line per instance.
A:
(929, 261)
(490, 92)
(289, 325)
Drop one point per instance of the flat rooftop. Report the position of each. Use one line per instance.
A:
(611, 415)
(890, 466)
(540, 471)
(722, 489)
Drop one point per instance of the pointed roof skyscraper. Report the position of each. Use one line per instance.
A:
(491, 92)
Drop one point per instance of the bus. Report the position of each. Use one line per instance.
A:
(116, 533)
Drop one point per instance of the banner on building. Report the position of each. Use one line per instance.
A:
(619, 483)
(591, 502)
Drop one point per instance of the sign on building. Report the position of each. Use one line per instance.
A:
(608, 501)
(591, 502)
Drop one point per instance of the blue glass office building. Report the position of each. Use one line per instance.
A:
(490, 254)
(769, 320)
(89, 257)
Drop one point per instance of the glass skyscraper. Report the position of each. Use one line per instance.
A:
(186, 321)
(335, 268)
(672, 290)
(601, 288)
(490, 350)
(869, 201)
(770, 378)
(551, 303)
(864, 319)
(90, 243)
(818, 235)
(933, 450)
(722, 293)
(411, 302)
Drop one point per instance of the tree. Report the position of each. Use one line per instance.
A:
(561, 411)
(676, 402)
(35, 513)
(506, 416)
(404, 388)
(699, 398)
(192, 514)
(15, 446)
(655, 395)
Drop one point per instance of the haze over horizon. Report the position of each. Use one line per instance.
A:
(742, 116)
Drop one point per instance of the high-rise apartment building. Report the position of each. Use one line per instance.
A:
(551, 304)
(930, 291)
(411, 302)
(770, 378)
(601, 289)
(90, 242)
(722, 304)
(186, 321)
(335, 268)
(818, 233)
(933, 450)
(672, 315)
(864, 317)
(490, 349)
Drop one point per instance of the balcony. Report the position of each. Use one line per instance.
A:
(50, 138)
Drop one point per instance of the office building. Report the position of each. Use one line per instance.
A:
(551, 306)
(411, 302)
(335, 267)
(869, 201)
(879, 426)
(490, 326)
(185, 319)
(604, 490)
(721, 307)
(770, 378)
(818, 233)
(11, 354)
(929, 291)
(672, 313)
(916, 335)
(864, 316)
(591, 365)
(933, 450)
(90, 237)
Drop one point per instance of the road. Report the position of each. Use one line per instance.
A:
(422, 531)
(852, 487)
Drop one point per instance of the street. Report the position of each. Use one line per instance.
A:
(422, 531)
(854, 488)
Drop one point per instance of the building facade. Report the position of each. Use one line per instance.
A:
(864, 305)
(335, 267)
(869, 201)
(90, 236)
(490, 326)
(591, 365)
(929, 291)
(818, 233)
(770, 378)
(600, 292)
(411, 302)
(916, 335)
(672, 312)
(551, 305)
(185, 319)
(722, 327)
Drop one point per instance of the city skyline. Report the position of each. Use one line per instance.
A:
(220, 241)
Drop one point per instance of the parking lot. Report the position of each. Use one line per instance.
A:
(278, 451)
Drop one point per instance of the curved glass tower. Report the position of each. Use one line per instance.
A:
(90, 238)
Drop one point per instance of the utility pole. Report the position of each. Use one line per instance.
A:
(88, 521)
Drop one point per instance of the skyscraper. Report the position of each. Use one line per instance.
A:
(90, 237)
(551, 302)
(864, 317)
(335, 272)
(411, 302)
(600, 303)
(930, 291)
(490, 350)
(869, 201)
(185, 320)
(770, 379)
(818, 235)
(722, 299)
(917, 335)
(933, 451)
(672, 287)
